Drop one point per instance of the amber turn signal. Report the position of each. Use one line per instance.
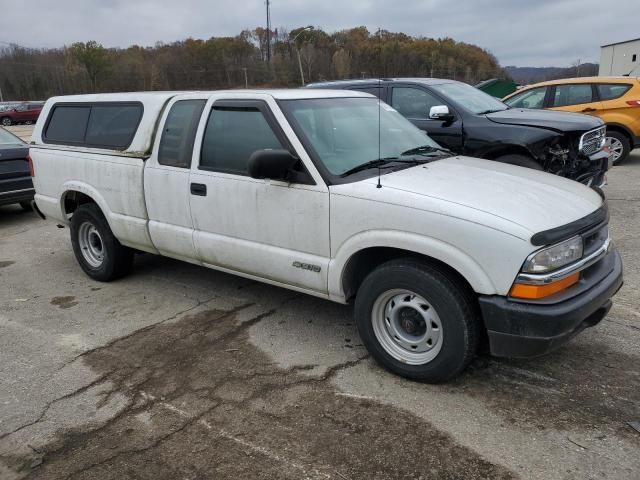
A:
(534, 292)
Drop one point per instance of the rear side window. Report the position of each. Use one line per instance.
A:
(611, 91)
(232, 135)
(113, 125)
(176, 144)
(572, 95)
(101, 125)
(67, 125)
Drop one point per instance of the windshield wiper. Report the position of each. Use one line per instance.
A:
(381, 163)
(425, 149)
(492, 111)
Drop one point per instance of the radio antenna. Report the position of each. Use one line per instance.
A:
(379, 108)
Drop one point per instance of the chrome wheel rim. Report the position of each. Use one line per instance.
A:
(91, 244)
(615, 147)
(407, 327)
(6, 122)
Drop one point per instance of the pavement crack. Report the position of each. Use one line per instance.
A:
(48, 406)
(634, 327)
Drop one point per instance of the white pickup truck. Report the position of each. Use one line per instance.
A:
(334, 194)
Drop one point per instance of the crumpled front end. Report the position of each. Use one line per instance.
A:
(580, 156)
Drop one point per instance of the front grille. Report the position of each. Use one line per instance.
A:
(592, 141)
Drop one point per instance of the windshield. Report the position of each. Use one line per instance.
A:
(470, 98)
(7, 138)
(343, 132)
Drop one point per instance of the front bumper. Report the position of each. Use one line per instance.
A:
(518, 329)
(595, 174)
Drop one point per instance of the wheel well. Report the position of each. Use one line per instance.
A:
(508, 150)
(621, 129)
(73, 199)
(365, 261)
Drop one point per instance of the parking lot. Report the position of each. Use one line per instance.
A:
(182, 372)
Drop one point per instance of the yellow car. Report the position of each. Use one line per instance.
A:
(616, 100)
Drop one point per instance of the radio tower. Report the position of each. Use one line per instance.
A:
(268, 32)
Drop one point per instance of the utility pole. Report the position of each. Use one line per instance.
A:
(268, 32)
(246, 81)
(305, 29)
(1, 98)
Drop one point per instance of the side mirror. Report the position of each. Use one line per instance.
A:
(271, 164)
(440, 112)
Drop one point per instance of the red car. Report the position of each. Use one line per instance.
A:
(27, 112)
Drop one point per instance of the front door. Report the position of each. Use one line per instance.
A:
(415, 103)
(166, 179)
(271, 230)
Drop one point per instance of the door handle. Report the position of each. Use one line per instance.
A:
(199, 189)
(588, 110)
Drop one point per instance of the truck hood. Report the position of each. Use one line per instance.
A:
(482, 190)
(549, 119)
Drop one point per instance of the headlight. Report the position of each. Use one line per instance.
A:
(552, 258)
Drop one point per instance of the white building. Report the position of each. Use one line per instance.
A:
(622, 58)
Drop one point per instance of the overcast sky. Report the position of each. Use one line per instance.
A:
(518, 32)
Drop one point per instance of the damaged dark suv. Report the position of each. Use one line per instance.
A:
(470, 122)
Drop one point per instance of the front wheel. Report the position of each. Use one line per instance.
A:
(619, 146)
(97, 250)
(417, 320)
(6, 122)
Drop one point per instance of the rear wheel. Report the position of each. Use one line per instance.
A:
(520, 161)
(6, 121)
(97, 250)
(619, 146)
(417, 320)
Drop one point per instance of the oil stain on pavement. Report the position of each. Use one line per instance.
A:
(64, 302)
(203, 402)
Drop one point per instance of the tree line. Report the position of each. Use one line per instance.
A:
(237, 62)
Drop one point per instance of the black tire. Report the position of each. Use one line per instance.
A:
(520, 161)
(454, 305)
(26, 206)
(116, 260)
(624, 141)
(5, 122)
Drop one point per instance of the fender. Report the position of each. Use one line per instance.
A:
(88, 190)
(431, 247)
(620, 126)
(130, 231)
(500, 139)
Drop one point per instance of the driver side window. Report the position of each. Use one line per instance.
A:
(413, 103)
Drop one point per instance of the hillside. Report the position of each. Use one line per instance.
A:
(527, 75)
